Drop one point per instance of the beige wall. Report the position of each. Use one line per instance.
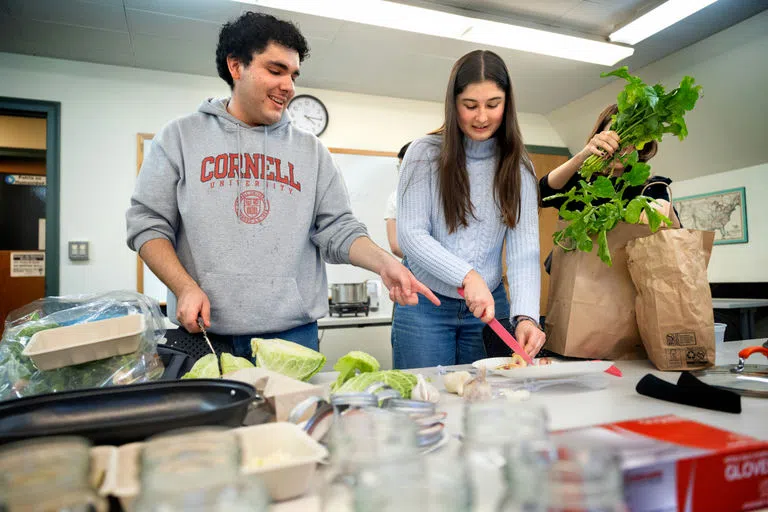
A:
(737, 262)
(728, 128)
(22, 132)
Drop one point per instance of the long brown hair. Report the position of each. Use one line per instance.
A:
(475, 67)
(645, 154)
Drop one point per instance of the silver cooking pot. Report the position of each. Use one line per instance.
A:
(349, 293)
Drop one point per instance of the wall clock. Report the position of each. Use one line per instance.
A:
(309, 114)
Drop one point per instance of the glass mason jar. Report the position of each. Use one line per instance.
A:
(572, 480)
(50, 474)
(204, 492)
(359, 441)
(492, 430)
(343, 402)
(432, 483)
(168, 459)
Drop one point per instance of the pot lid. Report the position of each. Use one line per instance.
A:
(744, 379)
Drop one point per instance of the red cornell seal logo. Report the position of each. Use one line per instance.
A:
(252, 207)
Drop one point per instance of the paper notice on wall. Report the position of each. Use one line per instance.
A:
(27, 264)
(26, 179)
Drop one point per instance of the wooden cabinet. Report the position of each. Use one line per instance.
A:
(543, 163)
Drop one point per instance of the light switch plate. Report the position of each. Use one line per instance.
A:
(78, 251)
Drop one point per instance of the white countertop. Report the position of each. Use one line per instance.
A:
(579, 407)
(739, 303)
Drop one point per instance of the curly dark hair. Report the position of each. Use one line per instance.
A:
(403, 149)
(252, 32)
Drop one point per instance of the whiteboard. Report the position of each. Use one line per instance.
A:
(370, 180)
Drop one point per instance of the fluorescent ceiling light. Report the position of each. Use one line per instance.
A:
(658, 19)
(397, 16)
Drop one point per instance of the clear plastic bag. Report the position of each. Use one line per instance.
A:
(18, 375)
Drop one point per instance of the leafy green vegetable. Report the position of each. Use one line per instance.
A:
(400, 381)
(351, 363)
(207, 367)
(230, 363)
(645, 113)
(287, 357)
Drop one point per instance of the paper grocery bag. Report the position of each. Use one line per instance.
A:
(591, 307)
(674, 301)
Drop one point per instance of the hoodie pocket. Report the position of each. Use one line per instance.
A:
(252, 303)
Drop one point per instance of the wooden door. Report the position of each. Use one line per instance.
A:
(547, 220)
(22, 257)
(542, 163)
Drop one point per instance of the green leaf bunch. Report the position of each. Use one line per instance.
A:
(645, 113)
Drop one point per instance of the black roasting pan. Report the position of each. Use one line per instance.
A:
(124, 414)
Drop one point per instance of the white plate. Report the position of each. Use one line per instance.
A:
(558, 369)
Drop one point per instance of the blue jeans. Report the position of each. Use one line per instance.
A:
(428, 335)
(305, 335)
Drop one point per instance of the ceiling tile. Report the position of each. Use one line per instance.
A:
(218, 11)
(66, 42)
(181, 56)
(601, 17)
(174, 27)
(311, 26)
(69, 12)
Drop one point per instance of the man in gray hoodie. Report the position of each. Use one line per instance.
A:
(235, 209)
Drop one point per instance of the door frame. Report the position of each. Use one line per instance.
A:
(52, 112)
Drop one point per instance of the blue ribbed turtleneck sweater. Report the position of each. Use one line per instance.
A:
(441, 260)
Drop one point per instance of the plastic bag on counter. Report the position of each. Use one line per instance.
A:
(20, 377)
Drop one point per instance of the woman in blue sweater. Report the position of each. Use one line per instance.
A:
(465, 190)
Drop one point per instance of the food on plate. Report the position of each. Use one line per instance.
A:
(454, 381)
(516, 361)
(519, 362)
(287, 357)
(477, 389)
(351, 364)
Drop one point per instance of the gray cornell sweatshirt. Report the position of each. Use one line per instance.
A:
(252, 213)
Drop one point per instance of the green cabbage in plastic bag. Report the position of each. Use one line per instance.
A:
(287, 357)
(355, 361)
(400, 381)
(230, 363)
(207, 367)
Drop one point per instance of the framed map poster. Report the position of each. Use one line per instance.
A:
(724, 212)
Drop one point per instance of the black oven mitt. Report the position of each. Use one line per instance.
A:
(690, 391)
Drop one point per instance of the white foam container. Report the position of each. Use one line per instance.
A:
(287, 479)
(82, 343)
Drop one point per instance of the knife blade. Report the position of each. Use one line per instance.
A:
(505, 336)
(201, 324)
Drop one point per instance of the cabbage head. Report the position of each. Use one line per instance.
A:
(350, 364)
(230, 363)
(207, 367)
(400, 381)
(287, 357)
